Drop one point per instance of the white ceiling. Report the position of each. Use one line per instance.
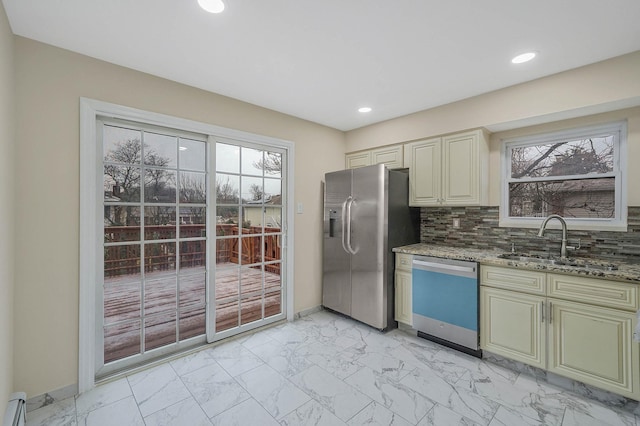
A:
(321, 60)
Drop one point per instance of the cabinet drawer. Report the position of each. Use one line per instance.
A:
(403, 261)
(513, 279)
(611, 294)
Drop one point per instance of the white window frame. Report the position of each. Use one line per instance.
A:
(616, 223)
(91, 214)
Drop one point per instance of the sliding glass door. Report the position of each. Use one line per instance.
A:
(155, 242)
(250, 213)
(191, 252)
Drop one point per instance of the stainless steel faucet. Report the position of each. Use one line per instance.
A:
(563, 248)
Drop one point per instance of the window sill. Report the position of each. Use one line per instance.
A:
(572, 224)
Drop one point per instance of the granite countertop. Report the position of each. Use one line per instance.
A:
(625, 271)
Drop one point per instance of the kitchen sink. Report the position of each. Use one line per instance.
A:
(574, 263)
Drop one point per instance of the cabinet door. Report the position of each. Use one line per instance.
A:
(359, 159)
(391, 156)
(403, 297)
(460, 182)
(511, 325)
(424, 159)
(594, 345)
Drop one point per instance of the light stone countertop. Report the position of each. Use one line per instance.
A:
(628, 272)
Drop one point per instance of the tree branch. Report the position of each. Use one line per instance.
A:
(539, 160)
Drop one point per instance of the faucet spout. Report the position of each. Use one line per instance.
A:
(563, 223)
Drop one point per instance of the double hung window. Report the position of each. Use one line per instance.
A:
(577, 174)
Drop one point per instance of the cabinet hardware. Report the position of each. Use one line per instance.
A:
(550, 313)
(542, 312)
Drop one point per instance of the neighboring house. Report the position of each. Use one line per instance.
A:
(272, 208)
(592, 198)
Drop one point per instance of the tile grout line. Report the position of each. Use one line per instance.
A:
(135, 399)
(191, 395)
(258, 402)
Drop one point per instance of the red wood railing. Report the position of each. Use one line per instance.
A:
(125, 259)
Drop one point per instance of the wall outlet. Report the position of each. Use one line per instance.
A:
(456, 223)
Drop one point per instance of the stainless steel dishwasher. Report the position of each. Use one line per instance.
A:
(445, 302)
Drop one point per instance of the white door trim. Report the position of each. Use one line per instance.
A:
(90, 213)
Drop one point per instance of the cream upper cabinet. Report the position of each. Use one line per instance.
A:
(450, 170)
(579, 327)
(390, 156)
(424, 159)
(403, 281)
(358, 159)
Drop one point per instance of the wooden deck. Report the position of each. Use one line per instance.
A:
(238, 300)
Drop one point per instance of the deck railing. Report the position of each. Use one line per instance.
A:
(125, 259)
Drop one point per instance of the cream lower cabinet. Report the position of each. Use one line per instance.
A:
(403, 281)
(511, 325)
(581, 328)
(593, 344)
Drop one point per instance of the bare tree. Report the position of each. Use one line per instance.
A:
(125, 176)
(192, 189)
(271, 163)
(226, 193)
(122, 179)
(256, 191)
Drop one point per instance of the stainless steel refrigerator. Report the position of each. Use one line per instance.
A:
(366, 215)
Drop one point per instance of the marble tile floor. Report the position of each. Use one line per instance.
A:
(325, 369)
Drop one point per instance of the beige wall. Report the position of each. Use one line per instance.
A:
(50, 82)
(7, 141)
(604, 86)
(577, 93)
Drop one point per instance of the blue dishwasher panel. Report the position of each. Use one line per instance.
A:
(447, 298)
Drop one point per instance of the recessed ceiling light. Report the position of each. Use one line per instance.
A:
(183, 148)
(213, 6)
(364, 109)
(525, 57)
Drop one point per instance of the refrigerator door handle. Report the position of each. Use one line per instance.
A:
(350, 249)
(344, 221)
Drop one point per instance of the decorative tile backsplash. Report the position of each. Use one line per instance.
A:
(479, 229)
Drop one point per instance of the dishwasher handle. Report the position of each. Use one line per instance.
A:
(468, 269)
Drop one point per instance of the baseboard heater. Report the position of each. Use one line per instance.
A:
(14, 416)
